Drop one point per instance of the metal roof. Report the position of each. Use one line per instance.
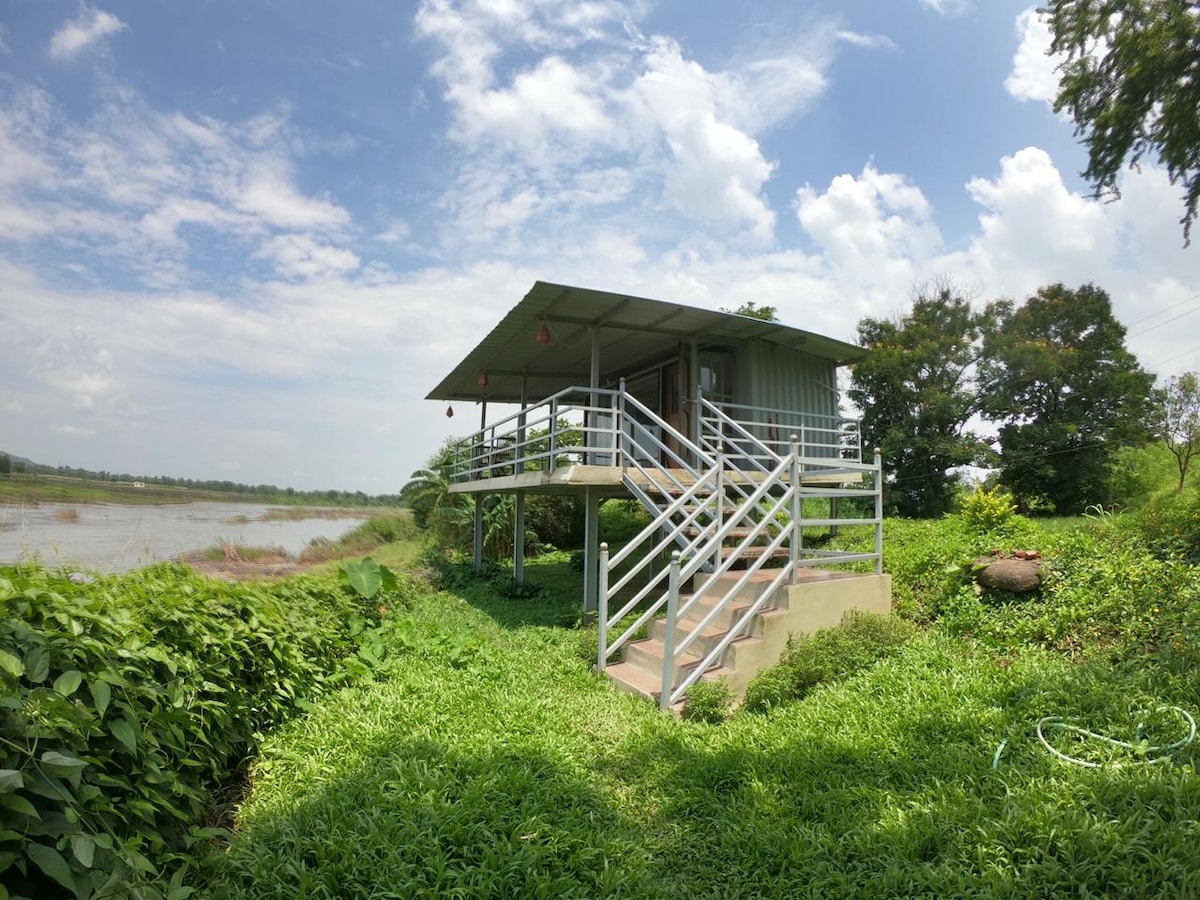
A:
(633, 332)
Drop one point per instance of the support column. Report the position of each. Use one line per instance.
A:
(519, 504)
(591, 549)
(482, 457)
(478, 542)
(519, 538)
(590, 438)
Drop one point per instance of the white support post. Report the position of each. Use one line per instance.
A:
(664, 700)
(553, 439)
(602, 652)
(590, 437)
(797, 542)
(878, 512)
(720, 507)
(591, 547)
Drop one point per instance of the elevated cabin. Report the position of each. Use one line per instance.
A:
(726, 428)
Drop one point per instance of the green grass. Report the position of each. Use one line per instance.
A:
(488, 762)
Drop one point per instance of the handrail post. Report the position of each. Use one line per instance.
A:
(553, 438)
(619, 425)
(602, 652)
(878, 512)
(664, 700)
(720, 505)
(797, 510)
(698, 424)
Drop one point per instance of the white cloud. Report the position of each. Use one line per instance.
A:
(715, 171)
(875, 231)
(680, 135)
(397, 232)
(267, 192)
(302, 256)
(946, 7)
(88, 29)
(869, 41)
(1033, 75)
(1034, 229)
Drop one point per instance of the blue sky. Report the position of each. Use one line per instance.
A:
(244, 239)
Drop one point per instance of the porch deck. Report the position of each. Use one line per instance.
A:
(609, 481)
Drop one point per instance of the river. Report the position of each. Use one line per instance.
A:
(115, 538)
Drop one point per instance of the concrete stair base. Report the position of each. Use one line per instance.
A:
(819, 599)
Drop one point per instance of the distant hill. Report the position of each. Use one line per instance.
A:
(13, 465)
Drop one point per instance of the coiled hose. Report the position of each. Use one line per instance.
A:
(1149, 756)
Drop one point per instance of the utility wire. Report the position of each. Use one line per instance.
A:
(1167, 322)
(1161, 311)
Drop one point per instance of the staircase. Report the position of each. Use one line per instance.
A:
(728, 510)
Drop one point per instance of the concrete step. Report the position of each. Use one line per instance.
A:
(632, 680)
(647, 654)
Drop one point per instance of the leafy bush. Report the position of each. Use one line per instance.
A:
(831, 654)
(1170, 525)
(708, 701)
(126, 702)
(985, 511)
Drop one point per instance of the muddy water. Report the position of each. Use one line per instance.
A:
(115, 538)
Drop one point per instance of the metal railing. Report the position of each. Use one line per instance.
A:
(737, 427)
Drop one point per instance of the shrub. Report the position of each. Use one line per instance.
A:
(832, 654)
(985, 511)
(1170, 525)
(708, 702)
(126, 702)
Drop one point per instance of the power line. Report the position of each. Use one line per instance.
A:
(1161, 311)
(1167, 322)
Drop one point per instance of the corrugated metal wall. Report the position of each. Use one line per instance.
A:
(787, 379)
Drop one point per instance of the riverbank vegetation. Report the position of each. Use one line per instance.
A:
(24, 481)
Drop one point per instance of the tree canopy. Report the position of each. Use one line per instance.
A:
(1057, 375)
(916, 394)
(755, 311)
(1131, 83)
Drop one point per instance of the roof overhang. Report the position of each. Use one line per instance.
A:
(632, 332)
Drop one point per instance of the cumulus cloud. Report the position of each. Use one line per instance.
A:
(86, 30)
(636, 107)
(1033, 75)
(875, 231)
(1033, 228)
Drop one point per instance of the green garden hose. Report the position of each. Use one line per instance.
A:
(1149, 755)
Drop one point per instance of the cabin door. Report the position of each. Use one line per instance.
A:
(671, 408)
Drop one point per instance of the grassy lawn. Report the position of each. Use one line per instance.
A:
(486, 761)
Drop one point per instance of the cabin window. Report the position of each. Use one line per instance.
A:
(716, 375)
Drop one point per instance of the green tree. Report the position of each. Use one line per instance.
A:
(5, 464)
(755, 311)
(916, 393)
(1131, 83)
(1177, 420)
(445, 515)
(1068, 394)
